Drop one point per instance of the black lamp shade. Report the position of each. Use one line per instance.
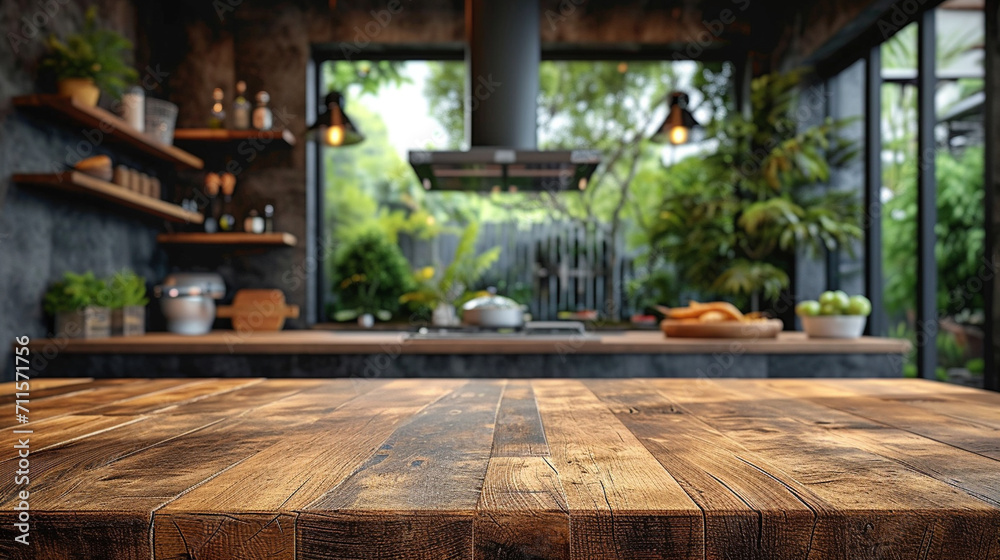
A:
(676, 129)
(333, 127)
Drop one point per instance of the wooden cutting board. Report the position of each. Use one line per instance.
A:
(258, 310)
(727, 329)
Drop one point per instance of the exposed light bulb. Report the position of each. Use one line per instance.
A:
(334, 135)
(678, 135)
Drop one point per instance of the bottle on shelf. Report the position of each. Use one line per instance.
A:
(262, 117)
(212, 185)
(218, 116)
(241, 107)
(269, 218)
(253, 223)
(133, 108)
(227, 221)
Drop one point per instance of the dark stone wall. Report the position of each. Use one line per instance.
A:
(46, 233)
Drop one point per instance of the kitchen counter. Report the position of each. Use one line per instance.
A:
(320, 342)
(221, 469)
(314, 353)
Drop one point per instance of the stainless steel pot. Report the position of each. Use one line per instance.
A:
(493, 311)
(188, 301)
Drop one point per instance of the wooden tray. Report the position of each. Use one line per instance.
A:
(729, 329)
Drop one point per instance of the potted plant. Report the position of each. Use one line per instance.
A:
(441, 293)
(371, 274)
(86, 63)
(75, 302)
(366, 298)
(128, 303)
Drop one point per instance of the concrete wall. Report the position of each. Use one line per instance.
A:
(45, 233)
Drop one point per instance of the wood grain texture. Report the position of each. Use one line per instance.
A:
(622, 502)
(869, 517)
(515, 470)
(752, 508)
(415, 498)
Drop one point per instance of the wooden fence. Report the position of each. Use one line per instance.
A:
(552, 267)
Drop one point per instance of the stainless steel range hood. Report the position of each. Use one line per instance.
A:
(503, 54)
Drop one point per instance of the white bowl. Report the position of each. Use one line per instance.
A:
(834, 326)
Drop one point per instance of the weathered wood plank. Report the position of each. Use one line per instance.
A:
(972, 473)
(970, 436)
(871, 518)
(415, 499)
(519, 430)
(522, 513)
(752, 509)
(956, 402)
(622, 503)
(123, 474)
(77, 402)
(42, 388)
(220, 519)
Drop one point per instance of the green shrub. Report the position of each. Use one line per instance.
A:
(960, 234)
(370, 273)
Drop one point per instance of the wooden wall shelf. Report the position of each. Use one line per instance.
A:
(81, 183)
(196, 136)
(112, 128)
(276, 239)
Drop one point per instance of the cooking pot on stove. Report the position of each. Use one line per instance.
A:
(493, 311)
(188, 301)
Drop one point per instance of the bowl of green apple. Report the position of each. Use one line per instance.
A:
(835, 315)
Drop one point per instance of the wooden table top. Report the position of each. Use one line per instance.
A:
(489, 469)
(377, 342)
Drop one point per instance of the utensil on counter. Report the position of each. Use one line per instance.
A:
(258, 310)
(188, 301)
(493, 311)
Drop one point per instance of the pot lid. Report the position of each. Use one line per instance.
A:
(490, 302)
(192, 284)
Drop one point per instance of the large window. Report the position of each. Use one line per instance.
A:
(958, 159)
(558, 254)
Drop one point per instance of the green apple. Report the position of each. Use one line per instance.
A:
(842, 300)
(808, 308)
(829, 309)
(859, 305)
(827, 297)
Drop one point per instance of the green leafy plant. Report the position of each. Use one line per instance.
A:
(733, 225)
(960, 242)
(74, 292)
(98, 54)
(127, 289)
(464, 271)
(371, 273)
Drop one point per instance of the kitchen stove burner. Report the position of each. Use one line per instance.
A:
(531, 329)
